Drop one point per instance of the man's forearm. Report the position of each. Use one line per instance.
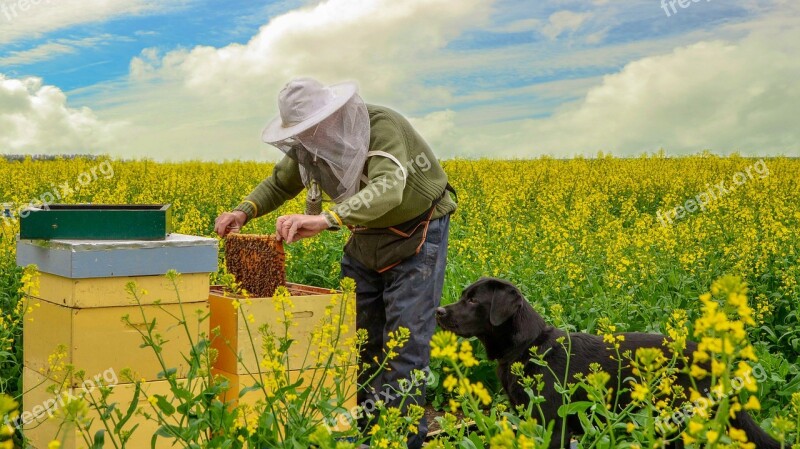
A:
(283, 185)
(263, 199)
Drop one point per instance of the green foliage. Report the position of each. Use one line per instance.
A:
(12, 310)
(583, 234)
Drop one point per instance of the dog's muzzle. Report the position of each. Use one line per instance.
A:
(442, 318)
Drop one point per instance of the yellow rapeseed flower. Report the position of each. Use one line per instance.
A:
(444, 345)
(450, 382)
(639, 392)
(752, 404)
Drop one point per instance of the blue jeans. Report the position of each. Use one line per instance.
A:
(404, 296)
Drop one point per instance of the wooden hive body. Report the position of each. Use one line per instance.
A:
(41, 429)
(240, 363)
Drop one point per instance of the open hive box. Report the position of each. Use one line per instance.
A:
(257, 262)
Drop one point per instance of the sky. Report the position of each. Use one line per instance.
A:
(198, 79)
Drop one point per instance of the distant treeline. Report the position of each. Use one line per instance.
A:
(47, 157)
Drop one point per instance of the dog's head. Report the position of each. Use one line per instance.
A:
(484, 305)
(495, 311)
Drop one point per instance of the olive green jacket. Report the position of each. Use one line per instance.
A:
(402, 179)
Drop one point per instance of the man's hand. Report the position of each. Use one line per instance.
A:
(295, 227)
(229, 222)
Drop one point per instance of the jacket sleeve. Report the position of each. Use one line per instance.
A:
(284, 184)
(387, 178)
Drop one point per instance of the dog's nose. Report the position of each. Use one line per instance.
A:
(440, 312)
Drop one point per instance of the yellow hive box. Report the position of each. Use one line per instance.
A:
(240, 381)
(111, 292)
(309, 310)
(40, 429)
(97, 339)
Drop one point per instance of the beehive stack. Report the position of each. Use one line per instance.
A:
(257, 262)
(82, 298)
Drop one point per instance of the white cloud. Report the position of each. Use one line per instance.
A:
(55, 48)
(23, 19)
(203, 99)
(40, 53)
(727, 95)
(597, 37)
(379, 42)
(564, 21)
(520, 25)
(438, 128)
(716, 95)
(35, 118)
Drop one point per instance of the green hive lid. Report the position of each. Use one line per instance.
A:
(97, 222)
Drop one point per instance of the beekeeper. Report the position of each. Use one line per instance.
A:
(387, 187)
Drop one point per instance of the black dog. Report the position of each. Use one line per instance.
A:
(496, 312)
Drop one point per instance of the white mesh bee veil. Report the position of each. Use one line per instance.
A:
(338, 148)
(334, 151)
(326, 130)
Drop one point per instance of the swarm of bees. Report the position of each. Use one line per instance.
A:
(257, 262)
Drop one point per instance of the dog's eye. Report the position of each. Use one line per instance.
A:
(471, 300)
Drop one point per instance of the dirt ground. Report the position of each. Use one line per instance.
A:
(431, 414)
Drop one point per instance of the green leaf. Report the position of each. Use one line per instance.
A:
(604, 443)
(99, 439)
(200, 347)
(124, 439)
(109, 409)
(167, 374)
(573, 408)
(244, 391)
(164, 405)
(182, 393)
(586, 424)
(285, 345)
(467, 443)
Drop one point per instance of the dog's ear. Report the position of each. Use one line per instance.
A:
(506, 301)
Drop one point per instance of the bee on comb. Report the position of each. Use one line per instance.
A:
(257, 262)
